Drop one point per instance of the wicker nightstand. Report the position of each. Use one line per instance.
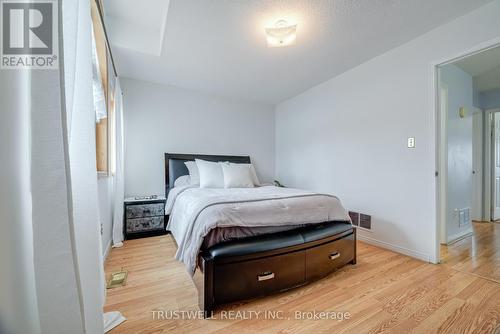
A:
(144, 217)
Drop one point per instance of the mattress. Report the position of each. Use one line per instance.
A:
(223, 234)
(204, 217)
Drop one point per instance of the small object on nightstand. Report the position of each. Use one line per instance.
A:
(144, 216)
(278, 184)
(146, 197)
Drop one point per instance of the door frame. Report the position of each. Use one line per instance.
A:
(478, 115)
(438, 124)
(489, 162)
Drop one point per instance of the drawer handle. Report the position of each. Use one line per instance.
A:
(265, 276)
(334, 256)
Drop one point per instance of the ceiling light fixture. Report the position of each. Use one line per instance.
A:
(282, 34)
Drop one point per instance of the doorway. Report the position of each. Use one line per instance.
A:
(468, 109)
(495, 194)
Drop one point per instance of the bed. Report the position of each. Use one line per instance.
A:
(243, 243)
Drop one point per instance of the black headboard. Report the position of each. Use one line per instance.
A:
(175, 167)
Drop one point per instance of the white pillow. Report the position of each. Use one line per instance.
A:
(210, 174)
(255, 179)
(194, 174)
(237, 176)
(183, 180)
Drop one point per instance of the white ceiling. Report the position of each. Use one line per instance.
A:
(219, 47)
(484, 67)
(137, 25)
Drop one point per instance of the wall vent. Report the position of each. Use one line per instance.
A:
(354, 218)
(463, 217)
(365, 221)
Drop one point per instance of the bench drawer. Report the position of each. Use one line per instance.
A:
(241, 280)
(324, 259)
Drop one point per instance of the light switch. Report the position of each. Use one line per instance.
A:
(411, 142)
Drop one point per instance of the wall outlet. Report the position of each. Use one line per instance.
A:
(411, 142)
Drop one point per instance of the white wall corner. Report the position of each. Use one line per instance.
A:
(106, 251)
(459, 235)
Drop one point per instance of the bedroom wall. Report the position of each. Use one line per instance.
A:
(348, 135)
(105, 194)
(160, 118)
(490, 99)
(459, 86)
(19, 312)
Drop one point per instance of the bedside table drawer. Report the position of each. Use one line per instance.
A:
(144, 224)
(145, 210)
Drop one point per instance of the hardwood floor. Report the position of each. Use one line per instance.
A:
(384, 293)
(479, 254)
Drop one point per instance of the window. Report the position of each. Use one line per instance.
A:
(103, 95)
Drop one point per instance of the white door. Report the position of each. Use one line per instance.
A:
(496, 166)
(477, 165)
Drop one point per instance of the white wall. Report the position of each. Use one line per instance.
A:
(459, 86)
(82, 165)
(489, 99)
(159, 119)
(347, 136)
(105, 192)
(18, 295)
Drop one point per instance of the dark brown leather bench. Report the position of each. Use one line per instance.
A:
(261, 265)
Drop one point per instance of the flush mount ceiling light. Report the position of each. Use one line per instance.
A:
(282, 34)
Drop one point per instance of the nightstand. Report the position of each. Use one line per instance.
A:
(144, 217)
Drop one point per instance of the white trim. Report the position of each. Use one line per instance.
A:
(487, 170)
(481, 47)
(395, 248)
(101, 175)
(477, 203)
(435, 138)
(459, 236)
(439, 184)
(489, 194)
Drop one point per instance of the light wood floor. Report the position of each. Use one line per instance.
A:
(384, 293)
(479, 254)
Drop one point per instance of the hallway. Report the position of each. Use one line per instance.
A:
(478, 254)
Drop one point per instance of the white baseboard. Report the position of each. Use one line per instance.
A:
(395, 248)
(106, 251)
(459, 236)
